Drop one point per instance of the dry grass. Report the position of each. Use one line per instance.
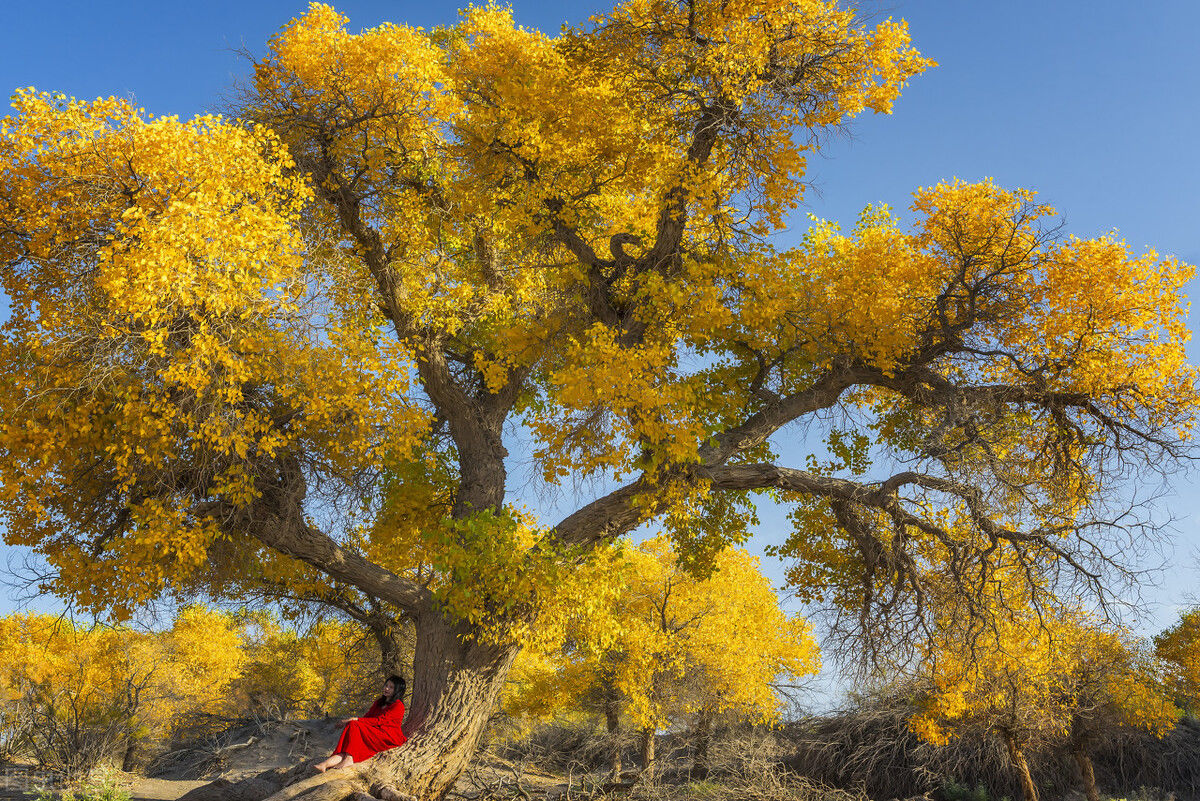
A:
(745, 765)
(867, 752)
(870, 749)
(1129, 761)
(571, 763)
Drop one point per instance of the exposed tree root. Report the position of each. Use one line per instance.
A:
(284, 784)
(332, 785)
(252, 788)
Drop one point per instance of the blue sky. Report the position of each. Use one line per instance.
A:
(1096, 105)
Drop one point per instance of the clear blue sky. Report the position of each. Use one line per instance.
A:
(1092, 104)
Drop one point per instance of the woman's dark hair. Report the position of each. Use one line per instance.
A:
(400, 686)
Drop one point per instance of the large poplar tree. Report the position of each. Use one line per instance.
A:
(296, 348)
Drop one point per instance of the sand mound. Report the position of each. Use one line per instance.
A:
(250, 749)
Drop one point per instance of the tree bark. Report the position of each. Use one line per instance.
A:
(130, 761)
(456, 682)
(612, 720)
(1085, 771)
(1028, 790)
(395, 647)
(647, 749)
(703, 738)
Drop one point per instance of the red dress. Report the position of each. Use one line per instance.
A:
(376, 731)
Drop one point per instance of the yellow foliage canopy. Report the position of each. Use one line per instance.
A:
(293, 347)
(1033, 678)
(157, 290)
(1179, 648)
(672, 645)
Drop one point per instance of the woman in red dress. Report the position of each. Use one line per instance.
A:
(376, 731)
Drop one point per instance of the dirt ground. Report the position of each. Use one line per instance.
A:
(143, 789)
(18, 783)
(243, 752)
(252, 749)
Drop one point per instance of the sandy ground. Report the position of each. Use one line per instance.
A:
(252, 750)
(246, 752)
(142, 789)
(19, 782)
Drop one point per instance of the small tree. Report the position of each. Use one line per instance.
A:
(1179, 648)
(1114, 683)
(685, 649)
(1038, 679)
(194, 663)
(82, 693)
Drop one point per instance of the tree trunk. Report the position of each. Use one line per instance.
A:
(456, 683)
(703, 738)
(647, 748)
(129, 762)
(612, 720)
(395, 640)
(1085, 770)
(1022, 767)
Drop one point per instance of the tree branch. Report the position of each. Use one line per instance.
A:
(315, 548)
(277, 520)
(604, 518)
(823, 393)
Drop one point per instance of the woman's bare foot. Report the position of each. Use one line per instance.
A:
(346, 762)
(333, 761)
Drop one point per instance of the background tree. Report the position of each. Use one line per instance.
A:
(311, 336)
(1114, 683)
(77, 690)
(670, 648)
(192, 667)
(1039, 680)
(90, 694)
(330, 669)
(1179, 648)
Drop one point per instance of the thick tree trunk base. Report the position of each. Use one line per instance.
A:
(456, 683)
(647, 749)
(1086, 773)
(1028, 788)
